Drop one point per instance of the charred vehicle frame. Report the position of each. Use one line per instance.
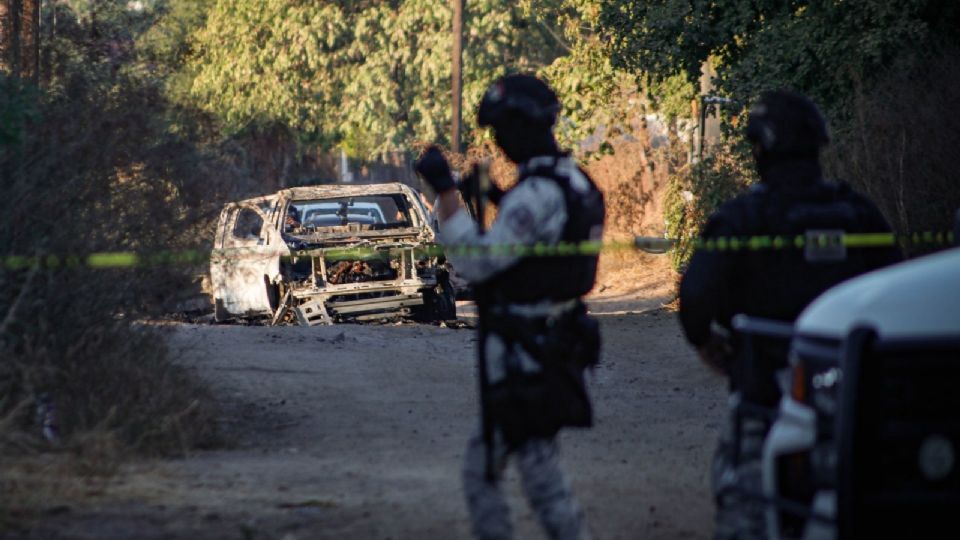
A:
(328, 253)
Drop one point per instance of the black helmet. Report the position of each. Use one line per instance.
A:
(786, 124)
(523, 95)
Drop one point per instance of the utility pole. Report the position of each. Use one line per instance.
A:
(457, 74)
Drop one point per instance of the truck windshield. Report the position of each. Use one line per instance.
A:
(368, 212)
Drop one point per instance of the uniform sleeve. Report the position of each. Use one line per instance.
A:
(704, 284)
(531, 213)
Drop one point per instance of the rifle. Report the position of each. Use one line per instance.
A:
(478, 183)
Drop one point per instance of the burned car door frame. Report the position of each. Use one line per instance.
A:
(246, 257)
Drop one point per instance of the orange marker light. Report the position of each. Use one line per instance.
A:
(798, 384)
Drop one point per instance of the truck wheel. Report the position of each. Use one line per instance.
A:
(439, 303)
(273, 294)
(446, 302)
(219, 312)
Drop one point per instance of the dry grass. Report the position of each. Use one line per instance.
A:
(634, 182)
(633, 185)
(41, 483)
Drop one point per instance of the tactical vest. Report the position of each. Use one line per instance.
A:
(779, 284)
(557, 277)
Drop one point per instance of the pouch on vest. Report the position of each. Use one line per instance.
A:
(558, 277)
(528, 405)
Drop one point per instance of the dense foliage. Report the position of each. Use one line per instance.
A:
(822, 47)
(695, 193)
(850, 57)
(372, 77)
(90, 161)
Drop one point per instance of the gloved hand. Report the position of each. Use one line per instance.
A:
(433, 167)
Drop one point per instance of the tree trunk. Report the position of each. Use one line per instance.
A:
(4, 36)
(16, 29)
(10, 28)
(30, 41)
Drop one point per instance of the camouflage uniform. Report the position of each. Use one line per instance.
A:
(544, 485)
(532, 212)
(738, 516)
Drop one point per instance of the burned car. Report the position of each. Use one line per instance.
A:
(329, 253)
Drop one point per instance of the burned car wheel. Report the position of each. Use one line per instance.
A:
(439, 303)
(219, 312)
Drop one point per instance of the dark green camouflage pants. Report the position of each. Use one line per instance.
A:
(739, 515)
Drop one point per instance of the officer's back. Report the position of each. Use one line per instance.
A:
(774, 277)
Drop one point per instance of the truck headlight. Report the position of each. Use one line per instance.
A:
(818, 388)
(825, 389)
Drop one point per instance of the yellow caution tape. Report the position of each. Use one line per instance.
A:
(127, 259)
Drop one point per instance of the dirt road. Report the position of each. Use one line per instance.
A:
(358, 432)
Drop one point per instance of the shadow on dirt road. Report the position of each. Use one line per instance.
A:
(358, 432)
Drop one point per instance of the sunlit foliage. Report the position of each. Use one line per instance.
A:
(368, 77)
(822, 48)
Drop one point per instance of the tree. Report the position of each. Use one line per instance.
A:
(596, 97)
(20, 38)
(167, 45)
(30, 40)
(11, 19)
(822, 48)
(6, 25)
(849, 57)
(368, 76)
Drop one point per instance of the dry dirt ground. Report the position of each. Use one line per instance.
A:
(358, 432)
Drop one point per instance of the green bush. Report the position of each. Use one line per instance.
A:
(695, 192)
(90, 162)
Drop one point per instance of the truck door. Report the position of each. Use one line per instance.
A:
(245, 258)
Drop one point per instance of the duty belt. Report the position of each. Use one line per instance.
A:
(543, 309)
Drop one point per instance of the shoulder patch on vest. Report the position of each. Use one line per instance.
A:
(519, 219)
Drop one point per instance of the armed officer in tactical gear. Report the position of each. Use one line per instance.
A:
(536, 338)
(792, 199)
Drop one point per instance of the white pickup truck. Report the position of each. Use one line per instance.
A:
(866, 442)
